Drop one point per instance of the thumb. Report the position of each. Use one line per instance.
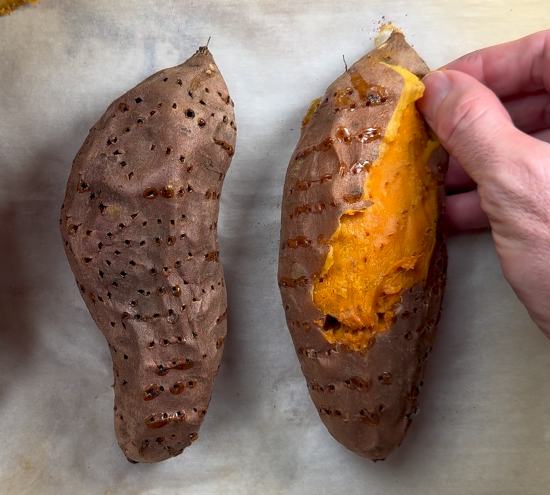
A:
(469, 120)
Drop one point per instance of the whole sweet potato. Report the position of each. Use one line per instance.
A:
(362, 257)
(139, 224)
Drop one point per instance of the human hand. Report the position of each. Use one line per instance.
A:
(491, 111)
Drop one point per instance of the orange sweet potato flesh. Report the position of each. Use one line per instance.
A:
(8, 6)
(362, 264)
(379, 253)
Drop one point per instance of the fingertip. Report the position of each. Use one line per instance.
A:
(463, 212)
(457, 179)
(436, 86)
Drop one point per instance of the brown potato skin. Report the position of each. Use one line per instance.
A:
(139, 227)
(366, 399)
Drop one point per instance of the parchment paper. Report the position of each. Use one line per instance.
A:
(484, 426)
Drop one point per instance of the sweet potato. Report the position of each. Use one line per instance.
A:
(8, 6)
(139, 224)
(362, 264)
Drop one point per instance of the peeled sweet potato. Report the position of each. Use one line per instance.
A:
(139, 224)
(362, 265)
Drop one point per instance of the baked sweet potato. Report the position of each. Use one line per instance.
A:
(139, 225)
(8, 6)
(362, 265)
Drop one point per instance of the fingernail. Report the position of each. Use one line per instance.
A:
(437, 84)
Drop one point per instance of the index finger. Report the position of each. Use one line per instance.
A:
(516, 67)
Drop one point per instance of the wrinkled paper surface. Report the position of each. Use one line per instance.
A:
(484, 425)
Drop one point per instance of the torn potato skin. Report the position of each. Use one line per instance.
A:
(139, 225)
(362, 264)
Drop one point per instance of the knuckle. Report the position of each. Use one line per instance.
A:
(544, 63)
(472, 57)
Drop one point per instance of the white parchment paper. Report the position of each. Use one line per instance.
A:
(484, 426)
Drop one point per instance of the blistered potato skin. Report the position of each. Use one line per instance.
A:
(366, 399)
(139, 225)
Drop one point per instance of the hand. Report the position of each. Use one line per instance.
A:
(491, 111)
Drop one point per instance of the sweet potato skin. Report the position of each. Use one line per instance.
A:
(139, 226)
(366, 399)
